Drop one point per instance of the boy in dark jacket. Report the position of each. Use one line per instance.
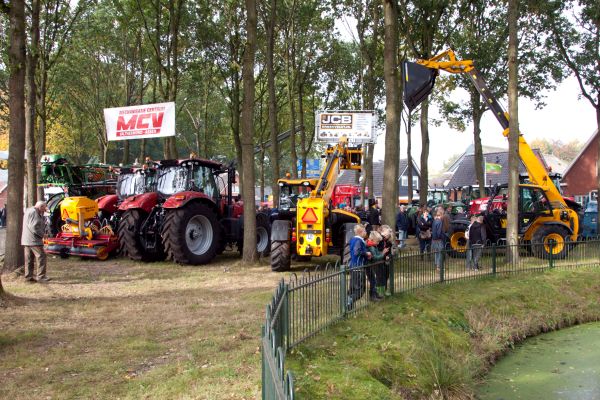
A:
(377, 256)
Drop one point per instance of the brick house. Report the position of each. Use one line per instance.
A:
(581, 176)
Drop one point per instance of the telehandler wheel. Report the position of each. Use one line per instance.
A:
(541, 242)
(280, 255)
(191, 234)
(131, 243)
(458, 244)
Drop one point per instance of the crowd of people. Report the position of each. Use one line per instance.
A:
(372, 244)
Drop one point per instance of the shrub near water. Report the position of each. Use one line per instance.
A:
(436, 342)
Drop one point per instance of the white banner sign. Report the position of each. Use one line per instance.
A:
(140, 122)
(357, 126)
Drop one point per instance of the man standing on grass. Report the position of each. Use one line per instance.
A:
(32, 239)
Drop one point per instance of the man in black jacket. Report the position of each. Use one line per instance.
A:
(374, 215)
(477, 239)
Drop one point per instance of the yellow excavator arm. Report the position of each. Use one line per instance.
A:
(538, 175)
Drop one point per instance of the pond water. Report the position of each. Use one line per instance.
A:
(559, 365)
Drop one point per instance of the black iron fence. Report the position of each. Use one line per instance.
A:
(304, 306)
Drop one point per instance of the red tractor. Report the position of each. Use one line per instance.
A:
(190, 217)
(131, 181)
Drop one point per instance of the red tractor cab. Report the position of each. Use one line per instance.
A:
(187, 218)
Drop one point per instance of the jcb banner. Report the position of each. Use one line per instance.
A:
(140, 122)
(357, 126)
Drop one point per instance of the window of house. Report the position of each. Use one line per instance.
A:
(404, 181)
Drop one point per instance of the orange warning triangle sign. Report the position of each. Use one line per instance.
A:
(309, 216)
(65, 214)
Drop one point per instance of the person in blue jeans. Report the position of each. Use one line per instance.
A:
(402, 226)
(438, 238)
(358, 257)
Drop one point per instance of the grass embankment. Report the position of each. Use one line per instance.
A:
(119, 329)
(437, 342)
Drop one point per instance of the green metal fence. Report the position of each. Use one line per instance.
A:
(304, 306)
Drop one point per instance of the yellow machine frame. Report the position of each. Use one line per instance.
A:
(313, 232)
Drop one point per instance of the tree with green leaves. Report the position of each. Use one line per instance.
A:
(425, 28)
(575, 33)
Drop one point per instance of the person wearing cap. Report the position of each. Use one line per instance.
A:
(32, 239)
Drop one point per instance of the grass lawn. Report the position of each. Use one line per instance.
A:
(438, 342)
(120, 329)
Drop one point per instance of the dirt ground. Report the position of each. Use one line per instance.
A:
(120, 329)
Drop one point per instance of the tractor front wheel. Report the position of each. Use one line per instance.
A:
(191, 234)
(131, 242)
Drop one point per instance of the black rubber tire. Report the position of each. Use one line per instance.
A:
(130, 243)
(457, 244)
(262, 228)
(539, 242)
(174, 234)
(280, 255)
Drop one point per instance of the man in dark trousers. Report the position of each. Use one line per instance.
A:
(32, 239)
(374, 215)
(477, 239)
(402, 226)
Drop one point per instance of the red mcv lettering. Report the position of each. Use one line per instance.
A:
(140, 121)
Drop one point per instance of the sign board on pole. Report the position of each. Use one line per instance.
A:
(140, 122)
(313, 167)
(357, 126)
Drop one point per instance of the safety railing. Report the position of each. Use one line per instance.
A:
(304, 306)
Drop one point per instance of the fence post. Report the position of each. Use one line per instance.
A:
(285, 335)
(343, 299)
(392, 274)
(442, 257)
(551, 258)
(493, 258)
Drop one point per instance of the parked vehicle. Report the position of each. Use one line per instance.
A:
(189, 218)
(546, 219)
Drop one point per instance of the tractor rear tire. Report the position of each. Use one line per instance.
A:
(280, 255)
(130, 243)
(191, 234)
(541, 242)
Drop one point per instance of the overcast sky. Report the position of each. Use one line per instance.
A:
(565, 117)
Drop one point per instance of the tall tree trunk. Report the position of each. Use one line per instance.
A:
(370, 90)
(512, 229)
(272, 100)
(598, 161)
(424, 178)
(290, 89)
(303, 146)
(249, 251)
(478, 156)
(142, 157)
(409, 161)
(125, 160)
(13, 256)
(30, 122)
(235, 125)
(392, 113)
